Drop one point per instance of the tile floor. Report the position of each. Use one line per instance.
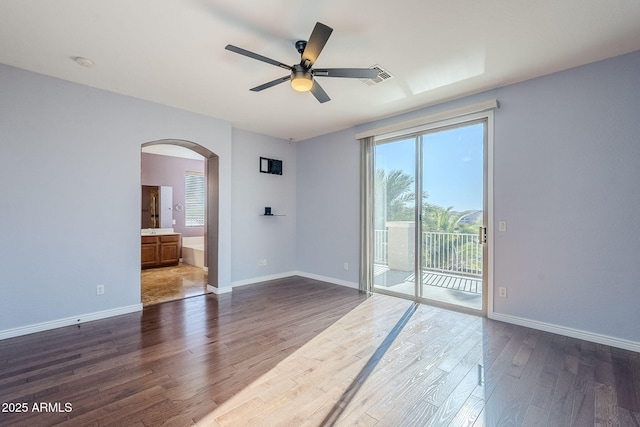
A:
(172, 283)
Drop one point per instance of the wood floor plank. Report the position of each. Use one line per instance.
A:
(517, 407)
(500, 400)
(536, 417)
(468, 413)
(624, 384)
(562, 400)
(606, 411)
(454, 398)
(494, 372)
(584, 400)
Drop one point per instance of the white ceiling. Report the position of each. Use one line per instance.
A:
(172, 51)
(172, 150)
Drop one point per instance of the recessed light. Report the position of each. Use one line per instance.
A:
(84, 61)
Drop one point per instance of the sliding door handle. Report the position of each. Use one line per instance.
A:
(482, 235)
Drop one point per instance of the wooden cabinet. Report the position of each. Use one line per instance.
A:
(149, 255)
(160, 250)
(170, 249)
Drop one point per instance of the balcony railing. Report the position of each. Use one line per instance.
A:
(456, 253)
(381, 247)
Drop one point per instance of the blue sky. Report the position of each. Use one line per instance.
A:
(452, 165)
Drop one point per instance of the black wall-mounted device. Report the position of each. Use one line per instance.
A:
(271, 166)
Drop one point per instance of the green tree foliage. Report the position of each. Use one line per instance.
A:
(398, 192)
(437, 218)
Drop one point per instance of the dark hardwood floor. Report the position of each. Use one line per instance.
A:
(301, 352)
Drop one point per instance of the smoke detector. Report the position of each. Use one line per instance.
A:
(87, 63)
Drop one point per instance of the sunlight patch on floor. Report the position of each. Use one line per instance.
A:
(304, 388)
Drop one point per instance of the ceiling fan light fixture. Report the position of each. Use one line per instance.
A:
(302, 84)
(301, 79)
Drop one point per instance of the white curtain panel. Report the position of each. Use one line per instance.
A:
(366, 213)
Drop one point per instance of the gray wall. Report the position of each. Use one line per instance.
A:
(257, 237)
(328, 203)
(567, 154)
(70, 185)
(567, 168)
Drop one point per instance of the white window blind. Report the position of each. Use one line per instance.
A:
(194, 199)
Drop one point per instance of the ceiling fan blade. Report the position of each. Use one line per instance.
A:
(250, 54)
(317, 40)
(356, 73)
(271, 83)
(319, 93)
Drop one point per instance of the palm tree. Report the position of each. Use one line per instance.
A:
(397, 190)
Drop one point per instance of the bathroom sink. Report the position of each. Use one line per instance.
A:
(156, 231)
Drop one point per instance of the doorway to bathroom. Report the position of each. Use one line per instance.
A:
(179, 220)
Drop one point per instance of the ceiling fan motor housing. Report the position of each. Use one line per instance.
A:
(300, 45)
(301, 78)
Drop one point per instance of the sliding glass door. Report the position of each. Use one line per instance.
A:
(394, 212)
(430, 216)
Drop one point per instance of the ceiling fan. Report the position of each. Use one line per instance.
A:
(303, 75)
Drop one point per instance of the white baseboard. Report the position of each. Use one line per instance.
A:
(76, 320)
(328, 279)
(219, 291)
(569, 332)
(254, 280)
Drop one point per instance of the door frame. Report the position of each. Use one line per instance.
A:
(211, 229)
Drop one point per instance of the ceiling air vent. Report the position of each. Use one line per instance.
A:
(382, 76)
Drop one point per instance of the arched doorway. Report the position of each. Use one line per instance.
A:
(211, 229)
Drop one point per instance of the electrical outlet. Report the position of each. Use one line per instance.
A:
(262, 262)
(346, 266)
(99, 289)
(502, 292)
(502, 225)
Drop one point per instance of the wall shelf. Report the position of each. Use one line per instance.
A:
(269, 212)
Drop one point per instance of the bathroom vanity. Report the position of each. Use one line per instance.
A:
(160, 250)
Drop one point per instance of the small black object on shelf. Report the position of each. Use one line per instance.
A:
(269, 212)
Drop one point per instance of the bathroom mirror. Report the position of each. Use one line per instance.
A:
(157, 202)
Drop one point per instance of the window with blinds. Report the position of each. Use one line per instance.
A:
(194, 199)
